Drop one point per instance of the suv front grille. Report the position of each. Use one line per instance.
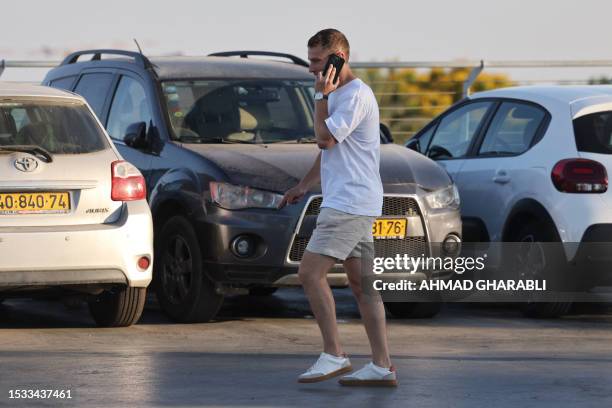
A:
(392, 206)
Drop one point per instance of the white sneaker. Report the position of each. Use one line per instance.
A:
(327, 366)
(371, 375)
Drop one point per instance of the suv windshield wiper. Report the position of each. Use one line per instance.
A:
(204, 140)
(32, 149)
(307, 139)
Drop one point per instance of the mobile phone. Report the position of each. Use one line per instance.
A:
(337, 62)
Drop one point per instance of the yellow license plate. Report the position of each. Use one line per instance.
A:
(389, 228)
(34, 203)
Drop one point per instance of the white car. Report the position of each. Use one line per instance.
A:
(531, 165)
(74, 219)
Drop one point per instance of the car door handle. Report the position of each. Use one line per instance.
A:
(501, 177)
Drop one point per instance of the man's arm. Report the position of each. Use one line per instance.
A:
(295, 194)
(313, 176)
(325, 139)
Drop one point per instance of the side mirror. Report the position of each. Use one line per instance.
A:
(385, 134)
(413, 144)
(136, 135)
(438, 152)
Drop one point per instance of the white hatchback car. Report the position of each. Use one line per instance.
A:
(74, 219)
(531, 165)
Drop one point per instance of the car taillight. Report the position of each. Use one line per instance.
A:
(128, 183)
(580, 176)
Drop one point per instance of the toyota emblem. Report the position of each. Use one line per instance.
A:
(26, 164)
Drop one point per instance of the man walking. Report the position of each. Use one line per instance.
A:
(347, 132)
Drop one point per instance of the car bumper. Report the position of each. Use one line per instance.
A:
(275, 234)
(82, 254)
(592, 262)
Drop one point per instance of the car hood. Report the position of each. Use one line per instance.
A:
(278, 167)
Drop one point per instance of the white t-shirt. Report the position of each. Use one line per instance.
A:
(350, 177)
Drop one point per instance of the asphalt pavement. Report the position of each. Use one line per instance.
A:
(471, 355)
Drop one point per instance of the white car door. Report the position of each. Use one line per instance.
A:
(453, 136)
(498, 171)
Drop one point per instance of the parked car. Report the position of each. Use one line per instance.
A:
(531, 165)
(74, 220)
(220, 140)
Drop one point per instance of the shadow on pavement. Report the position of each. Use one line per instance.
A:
(290, 303)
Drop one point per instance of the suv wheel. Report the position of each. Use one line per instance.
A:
(184, 291)
(541, 263)
(118, 307)
(413, 310)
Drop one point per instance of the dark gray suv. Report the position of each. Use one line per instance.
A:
(219, 140)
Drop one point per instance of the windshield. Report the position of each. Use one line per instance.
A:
(239, 111)
(56, 127)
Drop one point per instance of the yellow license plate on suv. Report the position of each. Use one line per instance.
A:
(34, 203)
(389, 228)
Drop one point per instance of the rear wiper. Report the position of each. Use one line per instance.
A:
(32, 149)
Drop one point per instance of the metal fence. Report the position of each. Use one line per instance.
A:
(398, 108)
(405, 119)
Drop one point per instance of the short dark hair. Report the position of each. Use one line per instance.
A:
(330, 39)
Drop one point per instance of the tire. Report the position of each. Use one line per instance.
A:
(262, 291)
(542, 232)
(119, 307)
(184, 292)
(413, 310)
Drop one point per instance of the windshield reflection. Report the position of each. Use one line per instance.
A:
(253, 111)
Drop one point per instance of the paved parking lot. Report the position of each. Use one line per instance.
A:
(469, 356)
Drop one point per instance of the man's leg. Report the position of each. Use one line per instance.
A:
(372, 313)
(313, 276)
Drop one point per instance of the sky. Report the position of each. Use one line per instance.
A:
(379, 30)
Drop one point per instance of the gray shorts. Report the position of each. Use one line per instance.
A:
(341, 235)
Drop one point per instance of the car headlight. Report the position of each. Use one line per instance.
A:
(234, 197)
(447, 197)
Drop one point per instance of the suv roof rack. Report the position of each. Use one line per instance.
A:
(97, 53)
(245, 54)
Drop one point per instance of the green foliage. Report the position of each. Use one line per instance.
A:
(600, 81)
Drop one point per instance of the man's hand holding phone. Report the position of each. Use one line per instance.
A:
(328, 81)
(324, 83)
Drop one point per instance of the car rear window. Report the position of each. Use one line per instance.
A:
(59, 127)
(593, 132)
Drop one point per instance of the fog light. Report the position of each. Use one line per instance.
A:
(452, 245)
(243, 246)
(144, 263)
